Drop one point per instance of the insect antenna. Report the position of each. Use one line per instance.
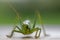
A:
(18, 18)
(41, 21)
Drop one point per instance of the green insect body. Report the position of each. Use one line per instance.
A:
(26, 30)
(25, 26)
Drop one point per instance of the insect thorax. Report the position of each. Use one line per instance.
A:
(26, 29)
(25, 26)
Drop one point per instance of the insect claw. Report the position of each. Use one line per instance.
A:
(36, 37)
(8, 36)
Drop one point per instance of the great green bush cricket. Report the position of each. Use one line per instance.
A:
(25, 29)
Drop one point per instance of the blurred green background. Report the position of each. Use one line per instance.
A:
(49, 10)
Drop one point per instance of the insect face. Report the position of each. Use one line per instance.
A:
(27, 22)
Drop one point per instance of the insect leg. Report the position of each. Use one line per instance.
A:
(37, 35)
(34, 22)
(14, 31)
(10, 34)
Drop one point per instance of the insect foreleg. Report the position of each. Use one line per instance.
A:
(37, 35)
(19, 30)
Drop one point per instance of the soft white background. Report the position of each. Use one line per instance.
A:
(52, 30)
